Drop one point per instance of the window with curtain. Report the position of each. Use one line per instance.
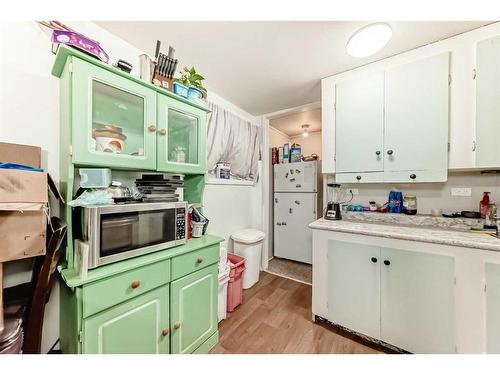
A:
(234, 140)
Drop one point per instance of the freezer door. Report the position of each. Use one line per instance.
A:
(292, 215)
(295, 177)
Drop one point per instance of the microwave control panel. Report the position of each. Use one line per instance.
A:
(180, 222)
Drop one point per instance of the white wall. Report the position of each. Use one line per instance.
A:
(29, 114)
(310, 144)
(277, 138)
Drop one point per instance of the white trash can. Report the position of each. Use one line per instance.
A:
(224, 270)
(248, 244)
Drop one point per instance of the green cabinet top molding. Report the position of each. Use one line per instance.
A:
(72, 279)
(64, 52)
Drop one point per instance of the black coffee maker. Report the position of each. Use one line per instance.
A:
(336, 196)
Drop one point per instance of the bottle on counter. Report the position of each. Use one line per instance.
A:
(410, 204)
(484, 204)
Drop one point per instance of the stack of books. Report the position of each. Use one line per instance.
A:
(157, 188)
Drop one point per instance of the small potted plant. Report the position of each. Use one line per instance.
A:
(189, 84)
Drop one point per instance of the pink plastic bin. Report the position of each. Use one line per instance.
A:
(235, 284)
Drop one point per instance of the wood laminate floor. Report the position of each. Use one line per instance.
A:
(276, 318)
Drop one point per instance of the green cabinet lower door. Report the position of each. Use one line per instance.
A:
(418, 301)
(493, 308)
(193, 310)
(139, 326)
(354, 286)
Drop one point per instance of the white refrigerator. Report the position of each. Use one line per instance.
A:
(297, 203)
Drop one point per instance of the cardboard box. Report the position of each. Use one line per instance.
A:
(20, 154)
(23, 186)
(23, 204)
(22, 232)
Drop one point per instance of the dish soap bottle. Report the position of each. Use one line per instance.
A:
(484, 204)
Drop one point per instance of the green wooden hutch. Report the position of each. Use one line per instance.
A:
(163, 302)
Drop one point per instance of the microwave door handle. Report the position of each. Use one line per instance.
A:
(119, 222)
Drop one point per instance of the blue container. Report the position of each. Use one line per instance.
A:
(181, 90)
(395, 202)
(194, 93)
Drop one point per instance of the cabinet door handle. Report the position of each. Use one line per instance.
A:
(165, 331)
(152, 128)
(390, 152)
(387, 263)
(358, 178)
(163, 131)
(135, 284)
(199, 260)
(283, 223)
(377, 153)
(177, 325)
(374, 260)
(278, 223)
(413, 176)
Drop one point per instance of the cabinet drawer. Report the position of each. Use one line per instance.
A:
(416, 176)
(366, 177)
(103, 294)
(196, 260)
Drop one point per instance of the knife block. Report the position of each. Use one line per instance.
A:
(164, 82)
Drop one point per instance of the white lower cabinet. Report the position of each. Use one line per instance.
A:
(417, 304)
(354, 287)
(401, 297)
(493, 308)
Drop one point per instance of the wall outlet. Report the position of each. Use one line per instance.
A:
(354, 191)
(461, 192)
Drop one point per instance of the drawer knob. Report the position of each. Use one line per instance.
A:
(377, 153)
(177, 325)
(135, 284)
(374, 260)
(358, 178)
(152, 128)
(165, 331)
(387, 263)
(413, 176)
(199, 260)
(390, 152)
(163, 132)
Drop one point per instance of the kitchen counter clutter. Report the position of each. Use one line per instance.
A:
(441, 235)
(428, 288)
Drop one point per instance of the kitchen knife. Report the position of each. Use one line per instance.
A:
(157, 49)
(171, 52)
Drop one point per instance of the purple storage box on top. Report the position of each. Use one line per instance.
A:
(80, 42)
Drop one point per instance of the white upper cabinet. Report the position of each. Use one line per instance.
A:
(416, 120)
(430, 126)
(359, 119)
(488, 103)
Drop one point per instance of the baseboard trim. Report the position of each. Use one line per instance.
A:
(287, 277)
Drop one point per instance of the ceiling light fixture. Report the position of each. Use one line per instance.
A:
(305, 129)
(369, 40)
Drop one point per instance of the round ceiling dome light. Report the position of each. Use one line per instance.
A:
(369, 40)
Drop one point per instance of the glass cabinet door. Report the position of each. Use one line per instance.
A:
(181, 144)
(113, 119)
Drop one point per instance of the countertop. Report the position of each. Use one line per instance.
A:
(412, 233)
(72, 279)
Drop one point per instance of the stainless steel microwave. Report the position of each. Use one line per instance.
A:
(118, 232)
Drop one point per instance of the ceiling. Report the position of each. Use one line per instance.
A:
(291, 124)
(266, 66)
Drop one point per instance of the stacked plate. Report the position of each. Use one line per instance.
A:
(11, 338)
(157, 188)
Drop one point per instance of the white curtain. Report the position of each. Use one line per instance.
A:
(233, 140)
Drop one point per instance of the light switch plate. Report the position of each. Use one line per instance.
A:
(461, 192)
(354, 191)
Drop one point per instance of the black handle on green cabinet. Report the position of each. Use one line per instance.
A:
(386, 262)
(413, 176)
(358, 178)
(377, 153)
(390, 152)
(374, 260)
